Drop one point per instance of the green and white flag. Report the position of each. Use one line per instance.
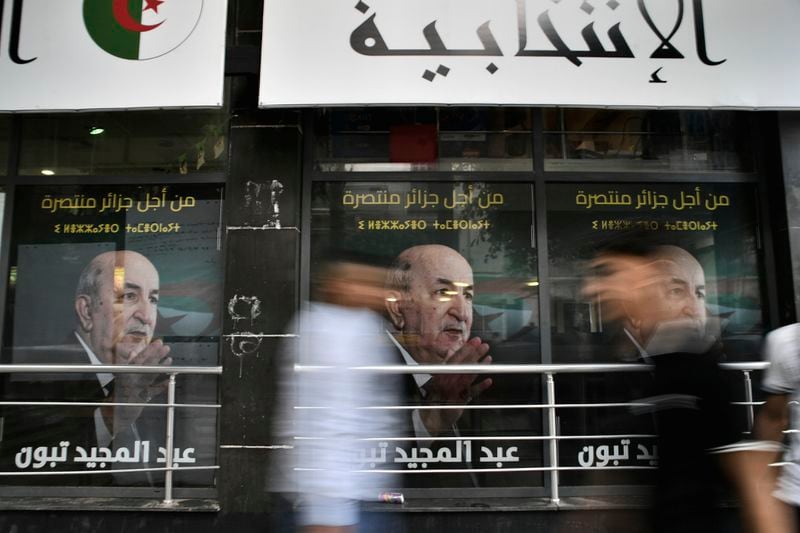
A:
(140, 29)
(112, 54)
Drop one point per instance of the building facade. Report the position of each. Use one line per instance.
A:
(235, 206)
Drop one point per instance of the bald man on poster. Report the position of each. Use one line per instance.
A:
(429, 305)
(115, 305)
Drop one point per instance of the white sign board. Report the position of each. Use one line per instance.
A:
(622, 53)
(111, 54)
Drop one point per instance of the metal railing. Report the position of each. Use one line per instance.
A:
(549, 371)
(171, 372)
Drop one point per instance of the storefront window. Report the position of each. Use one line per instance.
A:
(474, 237)
(122, 275)
(636, 140)
(5, 136)
(424, 139)
(710, 227)
(140, 143)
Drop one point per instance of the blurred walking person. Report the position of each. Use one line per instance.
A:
(659, 293)
(322, 413)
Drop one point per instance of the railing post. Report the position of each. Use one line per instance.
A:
(748, 395)
(170, 439)
(551, 432)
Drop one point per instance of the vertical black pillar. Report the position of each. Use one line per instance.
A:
(261, 295)
(789, 230)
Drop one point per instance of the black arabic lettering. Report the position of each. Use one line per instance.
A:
(367, 40)
(594, 46)
(16, 25)
(665, 50)
(700, 35)
(654, 78)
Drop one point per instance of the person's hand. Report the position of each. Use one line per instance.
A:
(139, 388)
(456, 389)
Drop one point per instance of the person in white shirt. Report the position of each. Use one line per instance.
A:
(778, 413)
(326, 413)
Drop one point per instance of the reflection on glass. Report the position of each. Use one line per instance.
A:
(705, 237)
(408, 139)
(715, 223)
(462, 265)
(143, 142)
(601, 139)
(5, 137)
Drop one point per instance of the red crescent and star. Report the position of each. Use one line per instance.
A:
(124, 18)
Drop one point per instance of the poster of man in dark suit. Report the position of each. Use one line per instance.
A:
(116, 301)
(430, 309)
(110, 275)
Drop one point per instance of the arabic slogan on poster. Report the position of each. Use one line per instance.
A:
(43, 457)
(115, 203)
(650, 208)
(422, 208)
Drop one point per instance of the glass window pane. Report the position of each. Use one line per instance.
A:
(5, 138)
(474, 243)
(635, 140)
(708, 241)
(101, 275)
(142, 142)
(426, 139)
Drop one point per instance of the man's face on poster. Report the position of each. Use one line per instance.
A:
(676, 291)
(122, 316)
(436, 311)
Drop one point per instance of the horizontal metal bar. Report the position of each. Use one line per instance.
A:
(108, 369)
(260, 335)
(481, 369)
(601, 132)
(750, 365)
(120, 471)
(489, 470)
(265, 447)
(493, 437)
(479, 407)
(113, 404)
(513, 369)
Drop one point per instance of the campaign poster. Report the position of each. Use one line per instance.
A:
(710, 226)
(111, 275)
(487, 231)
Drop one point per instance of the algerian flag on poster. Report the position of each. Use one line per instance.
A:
(112, 54)
(140, 29)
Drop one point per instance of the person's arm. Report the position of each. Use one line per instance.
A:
(755, 479)
(773, 418)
